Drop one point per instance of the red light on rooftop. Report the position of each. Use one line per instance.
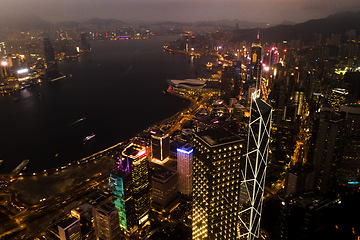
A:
(285, 50)
(141, 153)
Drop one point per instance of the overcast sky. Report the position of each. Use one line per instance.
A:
(271, 11)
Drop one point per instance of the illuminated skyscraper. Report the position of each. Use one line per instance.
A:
(216, 182)
(337, 98)
(121, 186)
(256, 61)
(131, 188)
(69, 229)
(106, 222)
(160, 148)
(164, 189)
(253, 172)
(2, 49)
(184, 168)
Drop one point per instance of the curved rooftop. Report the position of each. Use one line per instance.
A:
(187, 83)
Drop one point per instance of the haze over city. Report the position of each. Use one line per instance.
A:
(270, 11)
(180, 119)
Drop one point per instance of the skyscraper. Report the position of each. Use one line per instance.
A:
(256, 61)
(160, 148)
(349, 169)
(216, 182)
(164, 189)
(131, 187)
(121, 186)
(106, 222)
(328, 150)
(337, 98)
(2, 49)
(184, 168)
(69, 229)
(253, 172)
(49, 53)
(84, 43)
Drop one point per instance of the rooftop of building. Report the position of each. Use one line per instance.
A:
(187, 147)
(301, 169)
(134, 151)
(218, 136)
(163, 173)
(67, 222)
(107, 207)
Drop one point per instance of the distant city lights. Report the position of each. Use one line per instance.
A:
(4, 63)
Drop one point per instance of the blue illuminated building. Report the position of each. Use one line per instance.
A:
(184, 167)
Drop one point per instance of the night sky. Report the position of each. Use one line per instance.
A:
(269, 11)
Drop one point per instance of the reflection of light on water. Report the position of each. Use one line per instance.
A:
(25, 93)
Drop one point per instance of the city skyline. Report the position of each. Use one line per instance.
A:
(262, 142)
(272, 12)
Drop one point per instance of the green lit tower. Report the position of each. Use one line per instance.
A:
(131, 188)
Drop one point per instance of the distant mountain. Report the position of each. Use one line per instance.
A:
(104, 22)
(218, 23)
(337, 24)
(23, 22)
(233, 23)
(287, 23)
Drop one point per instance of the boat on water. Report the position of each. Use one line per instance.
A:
(89, 137)
(1, 162)
(21, 166)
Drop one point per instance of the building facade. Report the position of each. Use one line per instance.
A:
(69, 229)
(160, 148)
(131, 188)
(106, 222)
(216, 182)
(184, 168)
(253, 172)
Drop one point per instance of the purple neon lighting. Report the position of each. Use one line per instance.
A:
(127, 170)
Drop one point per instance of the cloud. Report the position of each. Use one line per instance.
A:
(273, 11)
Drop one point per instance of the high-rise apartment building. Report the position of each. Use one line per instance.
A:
(106, 222)
(184, 168)
(216, 182)
(131, 187)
